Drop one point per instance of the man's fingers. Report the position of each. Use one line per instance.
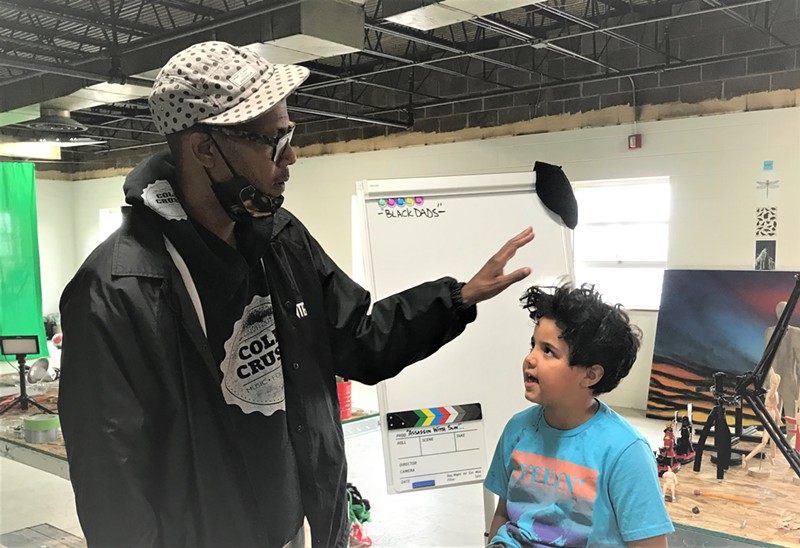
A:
(511, 246)
(516, 276)
(522, 238)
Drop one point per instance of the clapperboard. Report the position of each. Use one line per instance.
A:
(436, 446)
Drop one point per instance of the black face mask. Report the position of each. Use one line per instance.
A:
(237, 191)
(234, 193)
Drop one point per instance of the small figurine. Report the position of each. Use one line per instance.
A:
(669, 442)
(684, 447)
(772, 403)
(669, 483)
(666, 462)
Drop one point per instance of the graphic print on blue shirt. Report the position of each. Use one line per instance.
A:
(252, 371)
(550, 500)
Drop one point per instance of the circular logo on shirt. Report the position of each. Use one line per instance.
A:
(251, 370)
(160, 197)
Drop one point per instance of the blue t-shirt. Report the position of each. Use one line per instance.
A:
(594, 485)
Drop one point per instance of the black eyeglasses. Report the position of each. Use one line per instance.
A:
(278, 143)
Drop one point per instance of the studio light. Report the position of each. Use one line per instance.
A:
(21, 346)
(41, 371)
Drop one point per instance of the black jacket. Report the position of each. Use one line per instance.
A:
(157, 458)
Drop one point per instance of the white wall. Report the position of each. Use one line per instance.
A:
(57, 245)
(68, 227)
(89, 198)
(713, 163)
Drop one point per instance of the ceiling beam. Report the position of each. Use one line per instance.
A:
(427, 64)
(351, 117)
(595, 27)
(190, 7)
(630, 73)
(350, 80)
(89, 18)
(239, 27)
(657, 20)
(54, 33)
(10, 43)
(63, 70)
(743, 20)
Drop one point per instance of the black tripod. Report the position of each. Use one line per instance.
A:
(722, 434)
(23, 400)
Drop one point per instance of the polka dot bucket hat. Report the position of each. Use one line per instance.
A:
(219, 84)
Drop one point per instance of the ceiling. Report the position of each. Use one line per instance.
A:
(60, 55)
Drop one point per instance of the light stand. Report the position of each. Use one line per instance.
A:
(751, 385)
(21, 347)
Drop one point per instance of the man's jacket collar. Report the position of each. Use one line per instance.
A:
(140, 251)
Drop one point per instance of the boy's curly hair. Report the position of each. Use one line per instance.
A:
(595, 332)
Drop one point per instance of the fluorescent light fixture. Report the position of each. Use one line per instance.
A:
(32, 150)
(447, 12)
(65, 142)
(97, 94)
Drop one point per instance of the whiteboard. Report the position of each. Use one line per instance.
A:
(415, 230)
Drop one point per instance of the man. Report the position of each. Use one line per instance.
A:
(202, 339)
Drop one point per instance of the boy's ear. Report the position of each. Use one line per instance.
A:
(593, 375)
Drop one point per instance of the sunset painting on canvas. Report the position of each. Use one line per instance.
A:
(709, 321)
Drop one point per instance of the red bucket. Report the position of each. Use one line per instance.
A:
(345, 392)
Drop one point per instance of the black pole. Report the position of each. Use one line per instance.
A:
(774, 432)
(23, 390)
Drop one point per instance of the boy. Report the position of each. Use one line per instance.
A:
(570, 471)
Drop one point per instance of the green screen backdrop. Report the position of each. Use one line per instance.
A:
(20, 279)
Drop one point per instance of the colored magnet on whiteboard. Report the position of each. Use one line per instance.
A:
(381, 203)
(390, 202)
(419, 200)
(401, 202)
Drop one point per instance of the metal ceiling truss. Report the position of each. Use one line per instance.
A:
(51, 48)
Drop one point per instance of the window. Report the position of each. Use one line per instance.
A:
(621, 240)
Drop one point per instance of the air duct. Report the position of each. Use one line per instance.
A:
(433, 14)
(314, 29)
